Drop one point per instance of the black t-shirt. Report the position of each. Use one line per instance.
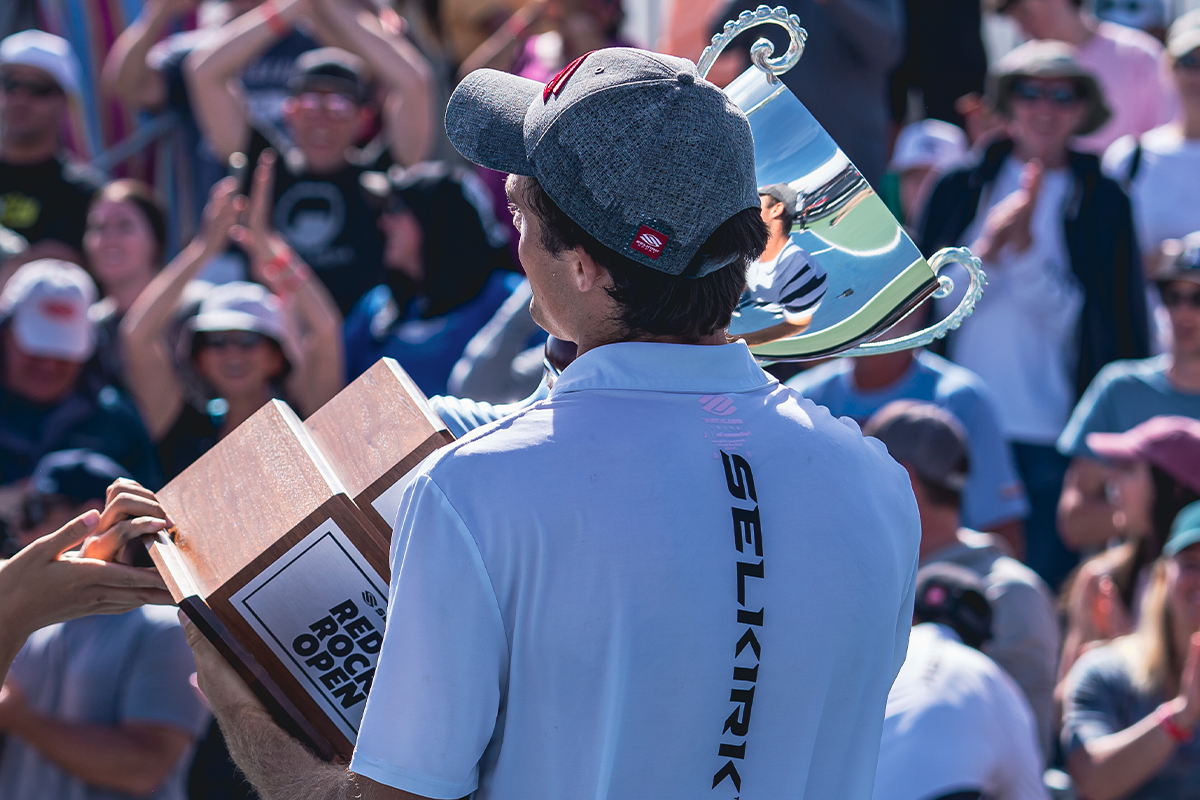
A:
(47, 200)
(193, 434)
(329, 222)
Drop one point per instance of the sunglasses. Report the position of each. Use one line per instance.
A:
(1032, 92)
(1188, 61)
(242, 340)
(1174, 298)
(337, 106)
(39, 89)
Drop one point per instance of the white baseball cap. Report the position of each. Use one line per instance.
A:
(929, 143)
(47, 303)
(47, 52)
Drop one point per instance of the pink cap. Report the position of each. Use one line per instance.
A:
(47, 302)
(1170, 443)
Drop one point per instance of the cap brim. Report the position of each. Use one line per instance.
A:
(1184, 43)
(1181, 541)
(485, 119)
(1115, 446)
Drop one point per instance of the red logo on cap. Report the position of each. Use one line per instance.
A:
(62, 312)
(556, 84)
(649, 242)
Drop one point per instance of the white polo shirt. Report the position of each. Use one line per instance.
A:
(672, 578)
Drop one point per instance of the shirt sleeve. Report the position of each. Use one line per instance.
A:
(443, 666)
(1093, 698)
(158, 685)
(1092, 414)
(993, 493)
(799, 283)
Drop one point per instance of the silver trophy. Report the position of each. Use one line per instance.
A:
(875, 274)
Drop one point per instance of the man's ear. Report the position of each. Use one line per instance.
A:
(587, 273)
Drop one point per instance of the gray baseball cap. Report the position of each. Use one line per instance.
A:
(633, 146)
(926, 437)
(785, 194)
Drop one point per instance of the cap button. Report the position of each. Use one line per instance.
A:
(686, 78)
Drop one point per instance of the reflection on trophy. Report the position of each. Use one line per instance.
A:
(858, 272)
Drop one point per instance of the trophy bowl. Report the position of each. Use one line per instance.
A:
(875, 275)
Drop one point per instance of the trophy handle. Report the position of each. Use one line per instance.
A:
(760, 51)
(947, 255)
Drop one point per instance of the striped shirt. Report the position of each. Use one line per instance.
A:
(789, 284)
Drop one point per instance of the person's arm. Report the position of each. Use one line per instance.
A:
(499, 51)
(1112, 766)
(211, 71)
(408, 113)
(41, 585)
(321, 371)
(149, 367)
(129, 758)
(126, 74)
(1085, 516)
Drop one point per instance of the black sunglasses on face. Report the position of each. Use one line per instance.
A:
(1174, 298)
(243, 340)
(39, 89)
(1032, 92)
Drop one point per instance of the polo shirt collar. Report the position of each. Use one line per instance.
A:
(658, 367)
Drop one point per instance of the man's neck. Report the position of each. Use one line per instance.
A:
(872, 373)
(775, 244)
(590, 343)
(1184, 372)
(939, 530)
(31, 152)
(1051, 158)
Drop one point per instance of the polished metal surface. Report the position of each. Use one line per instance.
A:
(875, 274)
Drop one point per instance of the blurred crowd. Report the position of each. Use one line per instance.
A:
(207, 206)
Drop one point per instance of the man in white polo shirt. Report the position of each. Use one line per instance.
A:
(664, 580)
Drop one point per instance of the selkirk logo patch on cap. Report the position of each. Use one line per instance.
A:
(649, 242)
(559, 81)
(62, 312)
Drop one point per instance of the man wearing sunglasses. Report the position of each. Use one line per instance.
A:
(1127, 393)
(319, 206)
(42, 196)
(1065, 294)
(1124, 61)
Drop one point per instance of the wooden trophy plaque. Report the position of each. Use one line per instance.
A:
(279, 546)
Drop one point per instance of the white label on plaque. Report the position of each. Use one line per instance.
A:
(321, 609)
(388, 503)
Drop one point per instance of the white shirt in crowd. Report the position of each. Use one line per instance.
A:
(1021, 338)
(790, 285)
(1165, 196)
(956, 722)
(665, 580)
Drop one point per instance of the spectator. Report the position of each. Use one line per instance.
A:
(956, 726)
(147, 74)
(125, 244)
(42, 197)
(448, 272)
(320, 208)
(46, 401)
(924, 152)
(992, 497)
(843, 77)
(1150, 16)
(98, 707)
(1156, 166)
(1125, 61)
(239, 345)
(1131, 706)
(1065, 294)
(1127, 393)
(1152, 472)
(939, 33)
(931, 444)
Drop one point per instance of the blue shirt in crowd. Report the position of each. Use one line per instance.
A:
(993, 492)
(1125, 394)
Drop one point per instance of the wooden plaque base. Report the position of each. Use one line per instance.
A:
(279, 549)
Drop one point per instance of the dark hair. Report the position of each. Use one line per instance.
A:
(652, 303)
(138, 193)
(1170, 497)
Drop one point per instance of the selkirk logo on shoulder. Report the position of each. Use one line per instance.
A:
(649, 242)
